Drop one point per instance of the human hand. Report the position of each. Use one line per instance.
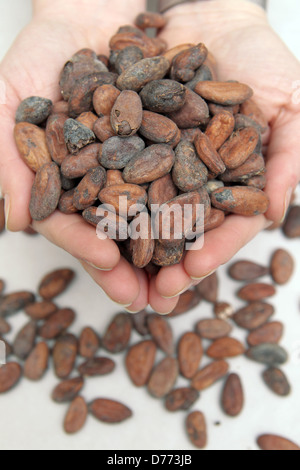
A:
(246, 49)
(32, 66)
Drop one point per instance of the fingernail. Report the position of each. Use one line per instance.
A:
(287, 202)
(164, 313)
(132, 312)
(6, 210)
(199, 279)
(96, 267)
(186, 288)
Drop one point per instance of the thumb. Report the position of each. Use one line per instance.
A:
(16, 178)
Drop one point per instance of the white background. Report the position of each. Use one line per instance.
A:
(28, 418)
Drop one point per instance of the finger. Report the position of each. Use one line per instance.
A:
(121, 284)
(16, 178)
(221, 244)
(74, 235)
(173, 281)
(142, 300)
(283, 165)
(158, 303)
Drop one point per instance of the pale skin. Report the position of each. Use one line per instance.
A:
(246, 48)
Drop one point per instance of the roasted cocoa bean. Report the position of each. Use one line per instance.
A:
(109, 411)
(224, 93)
(187, 62)
(96, 367)
(233, 396)
(187, 301)
(34, 110)
(81, 97)
(66, 203)
(37, 362)
(282, 267)
(189, 173)
(4, 327)
(163, 378)
(256, 292)
(140, 360)
(103, 129)
(64, 355)
(269, 354)
(193, 113)
(277, 381)
(246, 201)
(134, 195)
(45, 193)
(127, 114)
(86, 193)
(10, 374)
(25, 340)
(161, 191)
(254, 315)
(117, 152)
(55, 283)
(190, 353)
(161, 333)
(269, 333)
(291, 227)
(152, 163)
(143, 247)
(110, 224)
(32, 145)
(208, 155)
(204, 73)
(252, 110)
(57, 323)
(168, 255)
(138, 75)
(208, 289)
(225, 347)
(128, 57)
(209, 375)
(163, 96)
(196, 429)
(247, 271)
(181, 399)
(150, 20)
(239, 147)
(253, 166)
(55, 137)
(89, 343)
(76, 416)
(271, 442)
(118, 334)
(159, 129)
(213, 329)
(129, 36)
(215, 220)
(68, 390)
(13, 303)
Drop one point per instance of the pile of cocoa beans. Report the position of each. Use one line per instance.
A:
(150, 124)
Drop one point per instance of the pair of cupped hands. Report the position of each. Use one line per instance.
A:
(246, 49)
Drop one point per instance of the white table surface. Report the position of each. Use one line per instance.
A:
(28, 417)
